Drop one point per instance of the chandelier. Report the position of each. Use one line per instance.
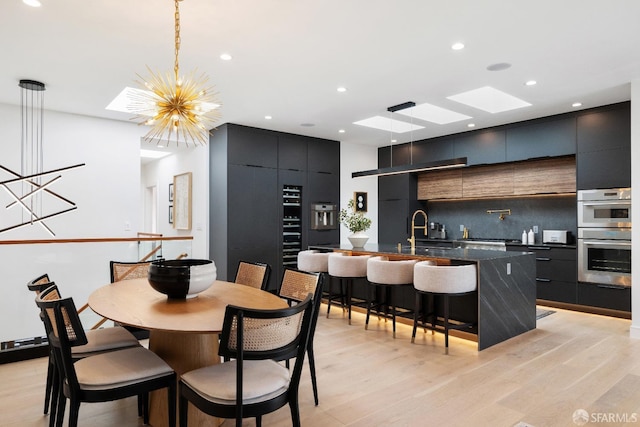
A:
(177, 108)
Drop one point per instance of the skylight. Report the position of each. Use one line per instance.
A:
(434, 114)
(390, 125)
(489, 99)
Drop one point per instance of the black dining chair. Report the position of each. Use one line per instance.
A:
(254, 274)
(253, 383)
(294, 288)
(113, 375)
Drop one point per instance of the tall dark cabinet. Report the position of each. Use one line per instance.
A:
(253, 174)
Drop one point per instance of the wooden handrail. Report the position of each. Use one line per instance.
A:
(94, 240)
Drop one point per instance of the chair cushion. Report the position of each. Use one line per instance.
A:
(262, 380)
(445, 279)
(119, 368)
(381, 270)
(341, 265)
(107, 339)
(313, 261)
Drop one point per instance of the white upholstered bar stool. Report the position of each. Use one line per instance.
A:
(387, 275)
(345, 269)
(442, 281)
(313, 261)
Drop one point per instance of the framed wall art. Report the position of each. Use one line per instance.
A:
(182, 201)
(171, 192)
(361, 201)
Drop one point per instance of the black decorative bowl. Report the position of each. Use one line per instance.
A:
(182, 278)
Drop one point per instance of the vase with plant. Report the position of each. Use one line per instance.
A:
(357, 224)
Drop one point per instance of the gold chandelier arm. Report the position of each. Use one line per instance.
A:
(176, 68)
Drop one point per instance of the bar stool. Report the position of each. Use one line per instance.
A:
(388, 275)
(312, 261)
(345, 268)
(442, 281)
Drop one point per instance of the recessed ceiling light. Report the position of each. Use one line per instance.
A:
(268, 117)
(499, 66)
(341, 131)
(390, 125)
(471, 125)
(531, 83)
(32, 3)
(457, 46)
(577, 104)
(151, 154)
(394, 140)
(342, 89)
(226, 57)
(433, 114)
(489, 99)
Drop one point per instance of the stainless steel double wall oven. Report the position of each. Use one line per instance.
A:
(604, 236)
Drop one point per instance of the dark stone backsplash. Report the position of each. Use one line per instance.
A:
(548, 213)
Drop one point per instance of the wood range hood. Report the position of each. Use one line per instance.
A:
(547, 176)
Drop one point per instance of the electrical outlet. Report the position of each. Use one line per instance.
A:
(461, 227)
(127, 226)
(535, 229)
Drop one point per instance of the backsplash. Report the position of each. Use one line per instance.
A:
(548, 213)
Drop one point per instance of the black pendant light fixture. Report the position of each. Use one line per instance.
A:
(411, 167)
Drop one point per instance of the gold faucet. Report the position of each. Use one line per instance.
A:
(412, 239)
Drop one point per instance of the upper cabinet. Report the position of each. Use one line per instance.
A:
(547, 138)
(483, 147)
(543, 176)
(323, 156)
(252, 147)
(604, 148)
(292, 153)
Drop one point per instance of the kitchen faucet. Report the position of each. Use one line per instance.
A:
(412, 240)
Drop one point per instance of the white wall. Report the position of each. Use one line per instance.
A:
(635, 213)
(106, 192)
(160, 173)
(354, 158)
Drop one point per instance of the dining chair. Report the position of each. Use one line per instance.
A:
(254, 274)
(133, 371)
(253, 383)
(123, 270)
(99, 341)
(294, 288)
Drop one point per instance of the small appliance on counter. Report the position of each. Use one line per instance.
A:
(436, 231)
(555, 236)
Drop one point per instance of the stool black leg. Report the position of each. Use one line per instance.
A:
(393, 309)
(446, 321)
(416, 312)
(349, 290)
(369, 302)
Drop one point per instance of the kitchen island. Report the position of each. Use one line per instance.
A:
(505, 305)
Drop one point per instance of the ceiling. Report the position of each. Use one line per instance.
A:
(290, 56)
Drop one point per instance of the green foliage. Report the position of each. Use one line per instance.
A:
(354, 221)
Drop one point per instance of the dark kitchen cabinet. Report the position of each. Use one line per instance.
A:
(484, 147)
(612, 297)
(292, 153)
(251, 146)
(396, 204)
(323, 156)
(253, 208)
(248, 169)
(603, 157)
(396, 155)
(548, 138)
(433, 150)
(556, 272)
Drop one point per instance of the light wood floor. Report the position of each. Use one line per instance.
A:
(366, 378)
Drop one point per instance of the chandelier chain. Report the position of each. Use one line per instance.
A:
(177, 38)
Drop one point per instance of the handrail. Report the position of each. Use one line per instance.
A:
(94, 240)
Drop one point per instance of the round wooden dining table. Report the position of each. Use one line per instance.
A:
(183, 332)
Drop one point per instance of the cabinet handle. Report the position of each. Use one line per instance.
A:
(543, 259)
(539, 248)
(542, 280)
(255, 166)
(619, 287)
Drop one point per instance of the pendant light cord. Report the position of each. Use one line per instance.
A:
(176, 67)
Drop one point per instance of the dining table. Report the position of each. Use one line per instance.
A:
(183, 332)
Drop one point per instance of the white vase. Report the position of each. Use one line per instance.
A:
(358, 239)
